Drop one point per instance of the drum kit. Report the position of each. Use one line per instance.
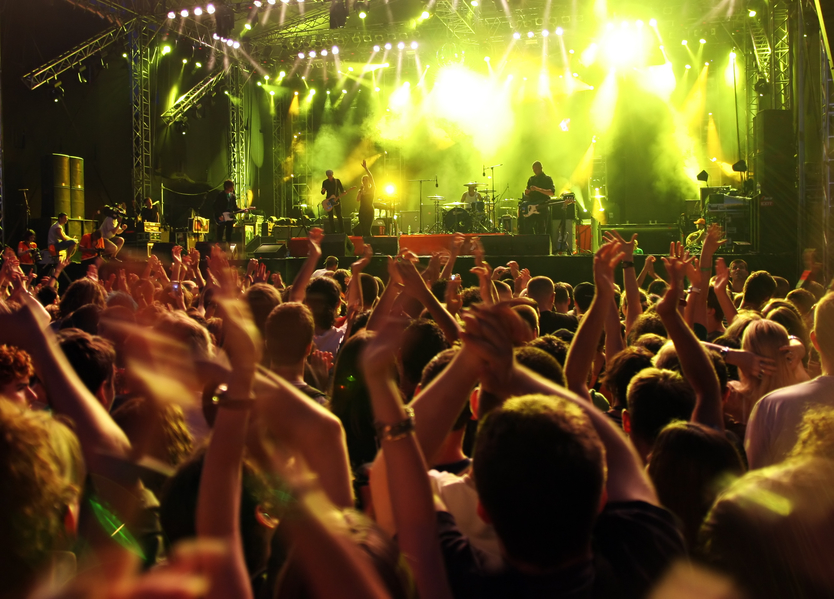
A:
(478, 216)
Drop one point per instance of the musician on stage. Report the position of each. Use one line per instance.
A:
(332, 188)
(471, 196)
(27, 248)
(225, 207)
(365, 197)
(538, 192)
(150, 213)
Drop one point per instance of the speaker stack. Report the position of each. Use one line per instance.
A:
(775, 210)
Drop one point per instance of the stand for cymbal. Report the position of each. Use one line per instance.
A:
(420, 198)
(437, 227)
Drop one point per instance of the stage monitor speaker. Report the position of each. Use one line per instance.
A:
(384, 245)
(409, 222)
(76, 167)
(531, 245)
(257, 242)
(775, 211)
(272, 250)
(652, 239)
(336, 244)
(497, 245)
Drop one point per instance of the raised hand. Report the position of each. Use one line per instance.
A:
(314, 239)
(627, 247)
(722, 275)
(606, 259)
(277, 281)
(452, 295)
(676, 265)
(514, 268)
(176, 254)
(320, 363)
(359, 265)
(713, 240)
(262, 274)
(92, 272)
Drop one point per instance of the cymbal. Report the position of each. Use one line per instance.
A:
(474, 184)
(455, 204)
(435, 197)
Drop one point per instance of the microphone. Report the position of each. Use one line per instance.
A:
(483, 170)
(435, 181)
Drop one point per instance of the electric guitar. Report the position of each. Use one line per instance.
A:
(332, 201)
(226, 217)
(534, 208)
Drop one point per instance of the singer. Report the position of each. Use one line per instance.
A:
(150, 213)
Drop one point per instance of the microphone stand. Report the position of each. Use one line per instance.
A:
(420, 181)
(493, 190)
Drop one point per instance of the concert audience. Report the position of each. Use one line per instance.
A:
(197, 431)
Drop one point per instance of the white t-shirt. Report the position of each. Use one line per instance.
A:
(55, 234)
(772, 428)
(108, 227)
(331, 339)
(470, 199)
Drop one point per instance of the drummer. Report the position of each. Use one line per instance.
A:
(471, 196)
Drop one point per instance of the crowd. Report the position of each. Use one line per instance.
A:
(200, 431)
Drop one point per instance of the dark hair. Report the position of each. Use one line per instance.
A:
(583, 295)
(803, 299)
(433, 370)
(469, 296)
(227, 184)
(288, 333)
(540, 362)
(553, 346)
(164, 425)
(758, 288)
(422, 341)
(562, 293)
(792, 321)
(324, 298)
(80, 293)
(624, 367)
(370, 289)
(331, 261)
(542, 447)
(690, 464)
(262, 298)
(658, 287)
(668, 360)
(656, 398)
(540, 287)
(647, 322)
(85, 318)
(91, 357)
(341, 276)
(60, 214)
(650, 341)
(47, 295)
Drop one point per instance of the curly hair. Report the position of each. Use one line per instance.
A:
(14, 364)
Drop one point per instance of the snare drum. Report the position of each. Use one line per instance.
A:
(457, 220)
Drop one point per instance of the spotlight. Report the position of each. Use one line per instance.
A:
(545, 33)
(230, 42)
(166, 50)
(258, 3)
(295, 93)
(413, 45)
(301, 54)
(282, 74)
(688, 67)
(82, 75)
(236, 45)
(706, 64)
(702, 176)
(344, 91)
(639, 23)
(652, 22)
(559, 31)
(272, 92)
(198, 11)
(762, 87)
(376, 89)
(334, 50)
(390, 189)
(184, 13)
(752, 13)
(684, 42)
(740, 166)
(388, 46)
(199, 65)
(184, 61)
(376, 48)
(702, 40)
(324, 52)
(247, 26)
(210, 9)
(425, 15)
(312, 92)
(362, 14)
(516, 36)
(486, 58)
(215, 36)
(328, 92)
(732, 55)
(474, 3)
(530, 34)
(312, 54)
(172, 15)
(401, 46)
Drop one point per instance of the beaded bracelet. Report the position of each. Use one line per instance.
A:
(395, 432)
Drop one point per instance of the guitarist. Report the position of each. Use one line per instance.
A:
(225, 207)
(332, 188)
(537, 193)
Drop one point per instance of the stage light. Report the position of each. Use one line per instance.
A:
(324, 52)
(474, 3)
(732, 55)
(570, 51)
(702, 40)
(639, 23)
(258, 3)
(576, 74)
(401, 46)
(350, 69)
(376, 89)
(652, 22)
(312, 54)
(272, 92)
(184, 13)
(247, 26)
(486, 58)
(413, 45)
(684, 42)
(376, 48)
(236, 45)
(362, 14)
(210, 9)
(388, 46)
(390, 189)
(295, 93)
(752, 13)
(545, 33)
(688, 67)
(328, 92)
(301, 54)
(259, 84)
(199, 65)
(166, 50)
(425, 15)
(215, 36)
(530, 34)
(198, 11)
(516, 36)
(312, 91)
(282, 74)
(230, 42)
(559, 31)
(334, 50)
(344, 91)
(172, 15)
(706, 64)
(184, 61)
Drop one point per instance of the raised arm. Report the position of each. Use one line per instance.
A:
(696, 365)
(457, 243)
(354, 293)
(632, 289)
(299, 285)
(416, 287)
(722, 278)
(368, 171)
(583, 347)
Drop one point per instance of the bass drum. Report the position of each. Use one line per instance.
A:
(457, 220)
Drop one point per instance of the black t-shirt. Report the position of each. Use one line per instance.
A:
(150, 215)
(225, 202)
(550, 322)
(544, 182)
(332, 188)
(633, 544)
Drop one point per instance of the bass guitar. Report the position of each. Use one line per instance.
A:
(332, 201)
(534, 208)
(226, 217)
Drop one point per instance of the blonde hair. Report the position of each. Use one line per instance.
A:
(765, 338)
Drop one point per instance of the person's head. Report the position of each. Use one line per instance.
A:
(470, 296)
(658, 287)
(47, 296)
(94, 361)
(370, 289)
(701, 223)
(647, 322)
(771, 530)
(823, 334)
(189, 332)
(540, 362)
(789, 318)
(553, 346)
(262, 298)
(740, 323)
(288, 334)
(228, 186)
(782, 287)
(644, 302)
(803, 300)
(537, 167)
(690, 465)
(650, 341)
(543, 291)
(331, 263)
(542, 447)
(624, 367)
(16, 371)
(148, 203)
(29, 236)
(42, 475)
(562, 297)
(583, 295)
(421, 342)
(162, 427)
(324, 299)
(329, 174)
(178, 509)
(342, 278)
(86, 318)
(530, 317)
(63, 218)
(655, 398)
(738, 271)
(80, 293)
(471, 189)
(758, 288)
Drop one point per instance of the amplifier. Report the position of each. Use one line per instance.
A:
(149, 227)
(154, 237)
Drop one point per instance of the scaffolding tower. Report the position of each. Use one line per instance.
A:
(139, 37)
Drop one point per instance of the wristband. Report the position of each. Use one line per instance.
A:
(627, 264)
(693, 289)
(395, 432)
